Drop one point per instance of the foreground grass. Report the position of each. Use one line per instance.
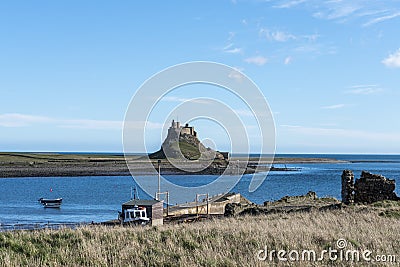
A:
(224, 242)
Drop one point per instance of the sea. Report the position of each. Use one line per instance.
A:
(93, 199)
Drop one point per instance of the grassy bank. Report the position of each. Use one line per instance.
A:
(224, 242)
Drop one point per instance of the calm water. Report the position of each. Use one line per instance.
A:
(87, 199)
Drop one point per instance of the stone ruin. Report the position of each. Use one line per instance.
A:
(347, 187)
(367, 189)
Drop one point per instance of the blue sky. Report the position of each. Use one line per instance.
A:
(330, 70)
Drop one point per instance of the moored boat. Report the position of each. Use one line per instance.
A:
(136, 215)
(51, 203)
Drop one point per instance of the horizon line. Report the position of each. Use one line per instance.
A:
(238, 153)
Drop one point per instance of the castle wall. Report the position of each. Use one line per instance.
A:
(173, 134)
(187, 130)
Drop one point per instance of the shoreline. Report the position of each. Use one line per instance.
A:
(17, 165)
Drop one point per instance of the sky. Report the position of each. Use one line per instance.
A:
(330, 70)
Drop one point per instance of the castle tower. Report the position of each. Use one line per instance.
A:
(173, 131)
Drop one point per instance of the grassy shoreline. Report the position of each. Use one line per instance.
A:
(221, 242)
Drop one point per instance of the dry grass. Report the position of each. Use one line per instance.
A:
(224, 242)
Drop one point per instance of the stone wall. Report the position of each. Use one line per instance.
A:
(368, 188)
(371, 188)
(347, 187)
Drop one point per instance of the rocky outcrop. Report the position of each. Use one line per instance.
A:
(310, 196)
(369, 188)
(288, 204)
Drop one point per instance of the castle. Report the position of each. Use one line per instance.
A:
(183, 141)
(176, 130)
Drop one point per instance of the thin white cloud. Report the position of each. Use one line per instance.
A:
(380, 19)
(363, 85)
(303, 43)
(182, 99)
(21, 120)
(340, 11)
(282, 36)
(328, 124)
(290, 126)
(230, 47)
(311, 37)
(236, 74)
(278, 36)
(13, 120)
(290, 4)
(369, 12)
(257, 60)
(140, 125)
(393, 60)
(288, 60)
(343, 133)
(337, 106)
(244, 112)
(235, 50)
(91, 124)
(308, 48)
(364, 89)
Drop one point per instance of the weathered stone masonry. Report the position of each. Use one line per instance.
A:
(347, 187)
(368, 188)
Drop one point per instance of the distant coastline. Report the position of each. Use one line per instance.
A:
(30, 164)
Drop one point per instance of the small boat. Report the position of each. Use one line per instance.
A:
(137, 215)
(50, 203)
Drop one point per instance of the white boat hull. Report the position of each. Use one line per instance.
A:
(51, 203)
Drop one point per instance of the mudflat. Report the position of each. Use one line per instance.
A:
(13, 164)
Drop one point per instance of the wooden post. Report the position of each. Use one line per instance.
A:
(159, 178)
(207, 204)
(197, 206)
(167, 203)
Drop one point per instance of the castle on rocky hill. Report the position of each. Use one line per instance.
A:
(183, 141)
